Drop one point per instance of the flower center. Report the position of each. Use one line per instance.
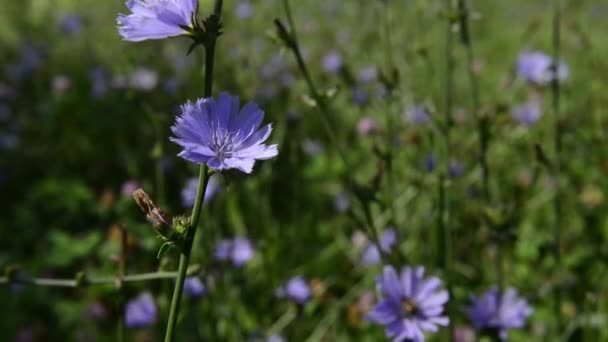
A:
(223, 142)
(409, 307)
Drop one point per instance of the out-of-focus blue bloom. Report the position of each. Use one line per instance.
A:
(8, 141)
(275, 338)
(367, 74)
(218, 134)
(332, 62)
(128, 188)
(456, 168)
(497, 313)
(189, 191)
(342, 201)
(244, 9)
(31, 58)
(143, 79)
(538, 68)
(99, 79)
(418, 114)
(170, 86)
(411, 304)
(238, 250)
(371, 255)
(60, 84)
(242, 251)
(296, 289)
(360, 96)
(70, 23)
(312, 147)
(528, 113)
(367, 126)
(430, 162)
(140, 311)
(194, 287)
(156, 19)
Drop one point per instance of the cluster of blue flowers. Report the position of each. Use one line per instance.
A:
(224, 136)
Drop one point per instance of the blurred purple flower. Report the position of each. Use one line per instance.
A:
(456, 169)
(430, 162)
(140, 311)
(143, 79)
(366, 126)
(538, 68)
(418, 115)
(8, 141)
(528, 113)
(189, 190)
(156, 19)
(367, 74)
(218, 134)
(194, 287)
(128, 188)
(332, 62)
(312, 147)
(99, 78)
(244, 9)
(360, 96)
(296, 289)
(498, 313)
(60, 83)
(275, 338)
(411, 304)
(31, 58)
(239, 250)
(70, 23)
(342, 201)
(171, 85)
(371, 255)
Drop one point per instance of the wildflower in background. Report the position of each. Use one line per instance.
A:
(417, 115)
(367, 126)
(275, 338)
(128, 188)
(70, 23)
(60, 84)
(194, 287)
(332, 62)
(238, 250)
(244, 9)
(496, 313)
(157, 19)
(342, 201)
(360, 96)
(312, 147)
(430, 162)
(411, 304)
(170, 86)
(218, 134)
(367, 74)
(528, 113)
(456, 169)
(371, 255)
(189, 191)
(143, 79)
(538, 68)
(99, 80)
(296, 289)
(140, 311)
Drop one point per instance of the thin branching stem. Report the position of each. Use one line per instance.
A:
(102, 281)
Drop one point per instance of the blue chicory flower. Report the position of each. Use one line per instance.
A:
(194, 287)
(528, 113)
(140, 311)
(218, 134)
(456, 168)
(411, 304)
(296, 289)
(332, 62)
(342, 201)
(417, 114)
(538, 68)
(70, 23)
(496, 312)
(157, 19)
(238, 250)
(371, 255)
(367, 74)
(244, 9)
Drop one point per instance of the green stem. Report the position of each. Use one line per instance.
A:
(555, 93)
(324, 110)
(203, 180)
(51, 282)
(184, 259)
(444, 199)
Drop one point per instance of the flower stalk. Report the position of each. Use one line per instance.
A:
(213, 30)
